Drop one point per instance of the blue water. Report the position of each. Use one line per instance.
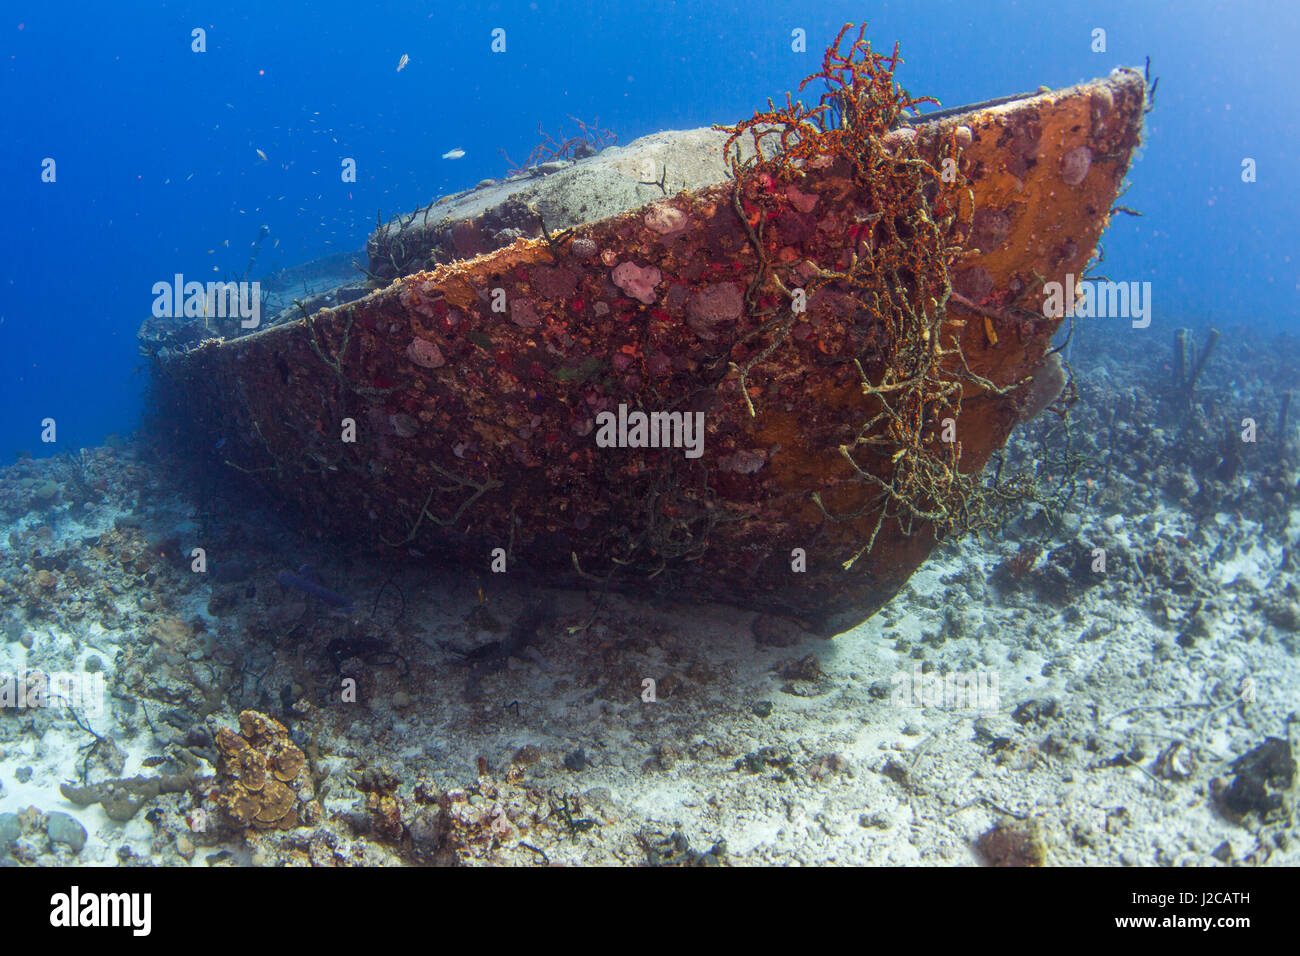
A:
(156, 145)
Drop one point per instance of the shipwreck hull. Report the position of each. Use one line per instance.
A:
(475, 387)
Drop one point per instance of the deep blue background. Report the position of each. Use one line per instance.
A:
(113, 93)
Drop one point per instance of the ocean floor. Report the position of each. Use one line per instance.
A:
(1111, 682)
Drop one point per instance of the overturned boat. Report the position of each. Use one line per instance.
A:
(762, 364)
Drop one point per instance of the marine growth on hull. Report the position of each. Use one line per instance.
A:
(777, 388)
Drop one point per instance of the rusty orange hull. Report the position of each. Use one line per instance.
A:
(476, 389)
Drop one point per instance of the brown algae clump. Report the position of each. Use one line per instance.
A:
(911, 218)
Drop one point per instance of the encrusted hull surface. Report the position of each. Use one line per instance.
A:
(473, 390)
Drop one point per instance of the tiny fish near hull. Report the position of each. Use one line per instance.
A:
(492, 445)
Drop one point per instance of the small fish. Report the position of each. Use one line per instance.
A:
(261, 155)
(307, 582)
(401, 64)
(456, 153)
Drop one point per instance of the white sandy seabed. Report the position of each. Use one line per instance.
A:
(856, 772)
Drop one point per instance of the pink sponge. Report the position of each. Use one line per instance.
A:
(637, 281)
